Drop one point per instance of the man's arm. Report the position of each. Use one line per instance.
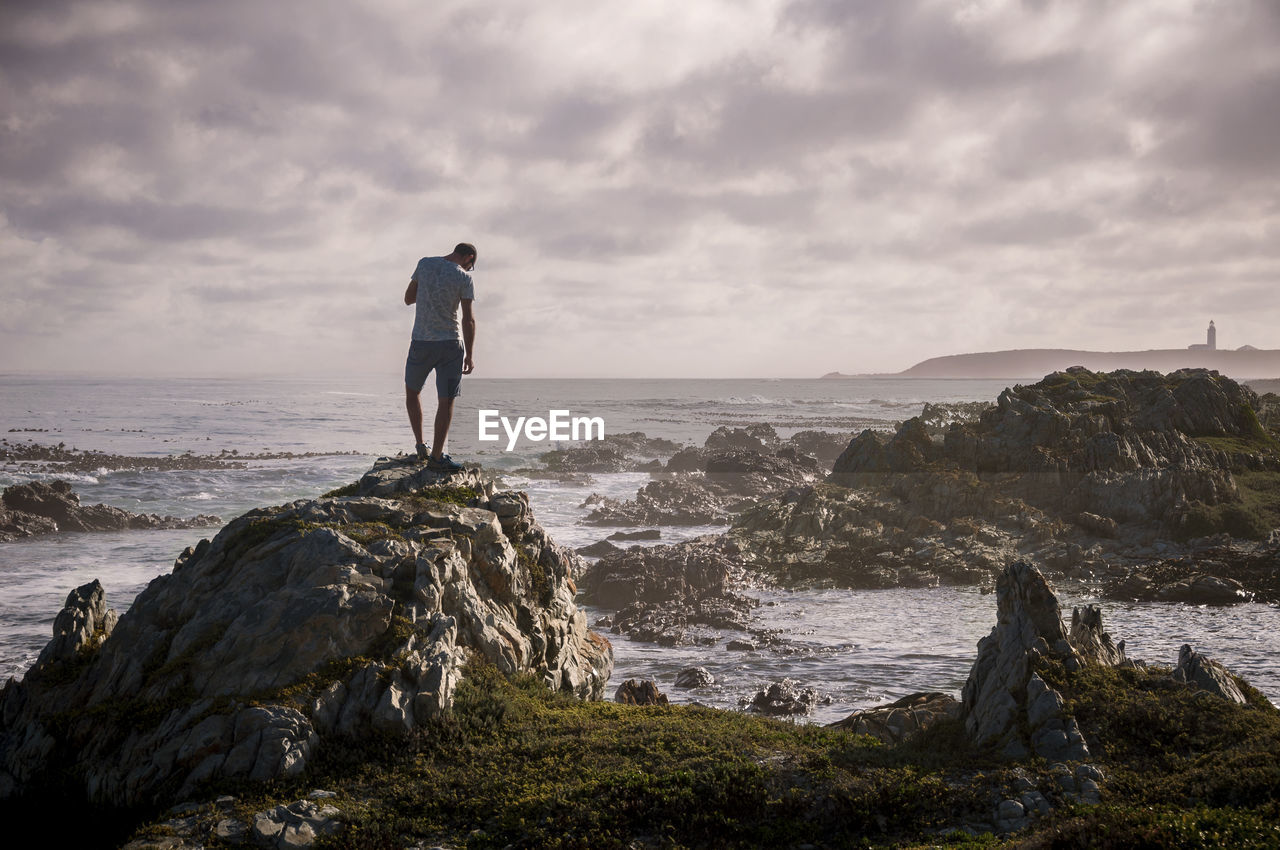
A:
(411, 294)
(468, 335)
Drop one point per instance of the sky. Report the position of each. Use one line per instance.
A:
(746, 188)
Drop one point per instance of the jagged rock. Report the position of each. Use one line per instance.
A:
(1048, 475)
(1006, 704)
(43, 507)
(298, 824)
(902, 719)
(593, 457)
(615, 453)
(828, 534)
(702, 487)
(690, 459)
(320, 617)
(756, 438)
(660, 592)
(679, 500)
(1115, 445)
(633, 692)
(83, 623)
(1206, 674)
(1090, 641)
(784, 698)
(694, 677)
(391, 476)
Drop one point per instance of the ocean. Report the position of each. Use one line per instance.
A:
(857, 648)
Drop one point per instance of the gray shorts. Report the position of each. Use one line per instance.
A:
(444, 356)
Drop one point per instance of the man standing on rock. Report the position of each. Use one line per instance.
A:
(438, 286)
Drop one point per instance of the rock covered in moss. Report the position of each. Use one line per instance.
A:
(903, 719)
(1208, 675)
(328, 616)
(1007, 705)
(1101, 448)
(639, 692)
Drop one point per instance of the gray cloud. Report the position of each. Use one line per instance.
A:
(940, 177)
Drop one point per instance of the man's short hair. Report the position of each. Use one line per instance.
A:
(465, 249)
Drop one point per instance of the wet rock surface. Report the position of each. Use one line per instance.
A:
(733, 470)
(785, 698)
(332, 616)
(629, 452)
(1219, 573)
(1091, 477)
(694, 677)
(44, 507)
(673, 594)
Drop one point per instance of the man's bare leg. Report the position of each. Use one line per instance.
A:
(413, 404)
(444, 416)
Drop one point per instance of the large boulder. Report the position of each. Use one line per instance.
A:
(332, 616)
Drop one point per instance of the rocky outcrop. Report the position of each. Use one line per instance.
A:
(639, 692)
(1086, 476)
(672, 594)
(694, 677)
(903, 719)
(734, 470)
(632, 451)
(1131, 447)
(43, 507)
(829, 534)
(333, 616)
(1007, 705)
(705, 488)
(785, 698)
(1222, 573)
(1206, 674)
(80, 627)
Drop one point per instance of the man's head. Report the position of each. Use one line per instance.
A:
(464, 254)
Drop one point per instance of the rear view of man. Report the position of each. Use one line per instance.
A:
(439, 286)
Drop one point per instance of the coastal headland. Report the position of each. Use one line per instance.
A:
(1035, 362)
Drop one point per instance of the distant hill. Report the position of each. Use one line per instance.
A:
(1038, 362)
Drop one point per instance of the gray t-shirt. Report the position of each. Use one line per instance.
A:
(441, 285)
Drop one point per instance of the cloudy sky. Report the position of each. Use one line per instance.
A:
(774, 188)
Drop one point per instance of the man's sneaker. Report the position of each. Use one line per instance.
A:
(443, 464)
(423, 452)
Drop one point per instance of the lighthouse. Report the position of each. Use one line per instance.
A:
(1212, 337)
